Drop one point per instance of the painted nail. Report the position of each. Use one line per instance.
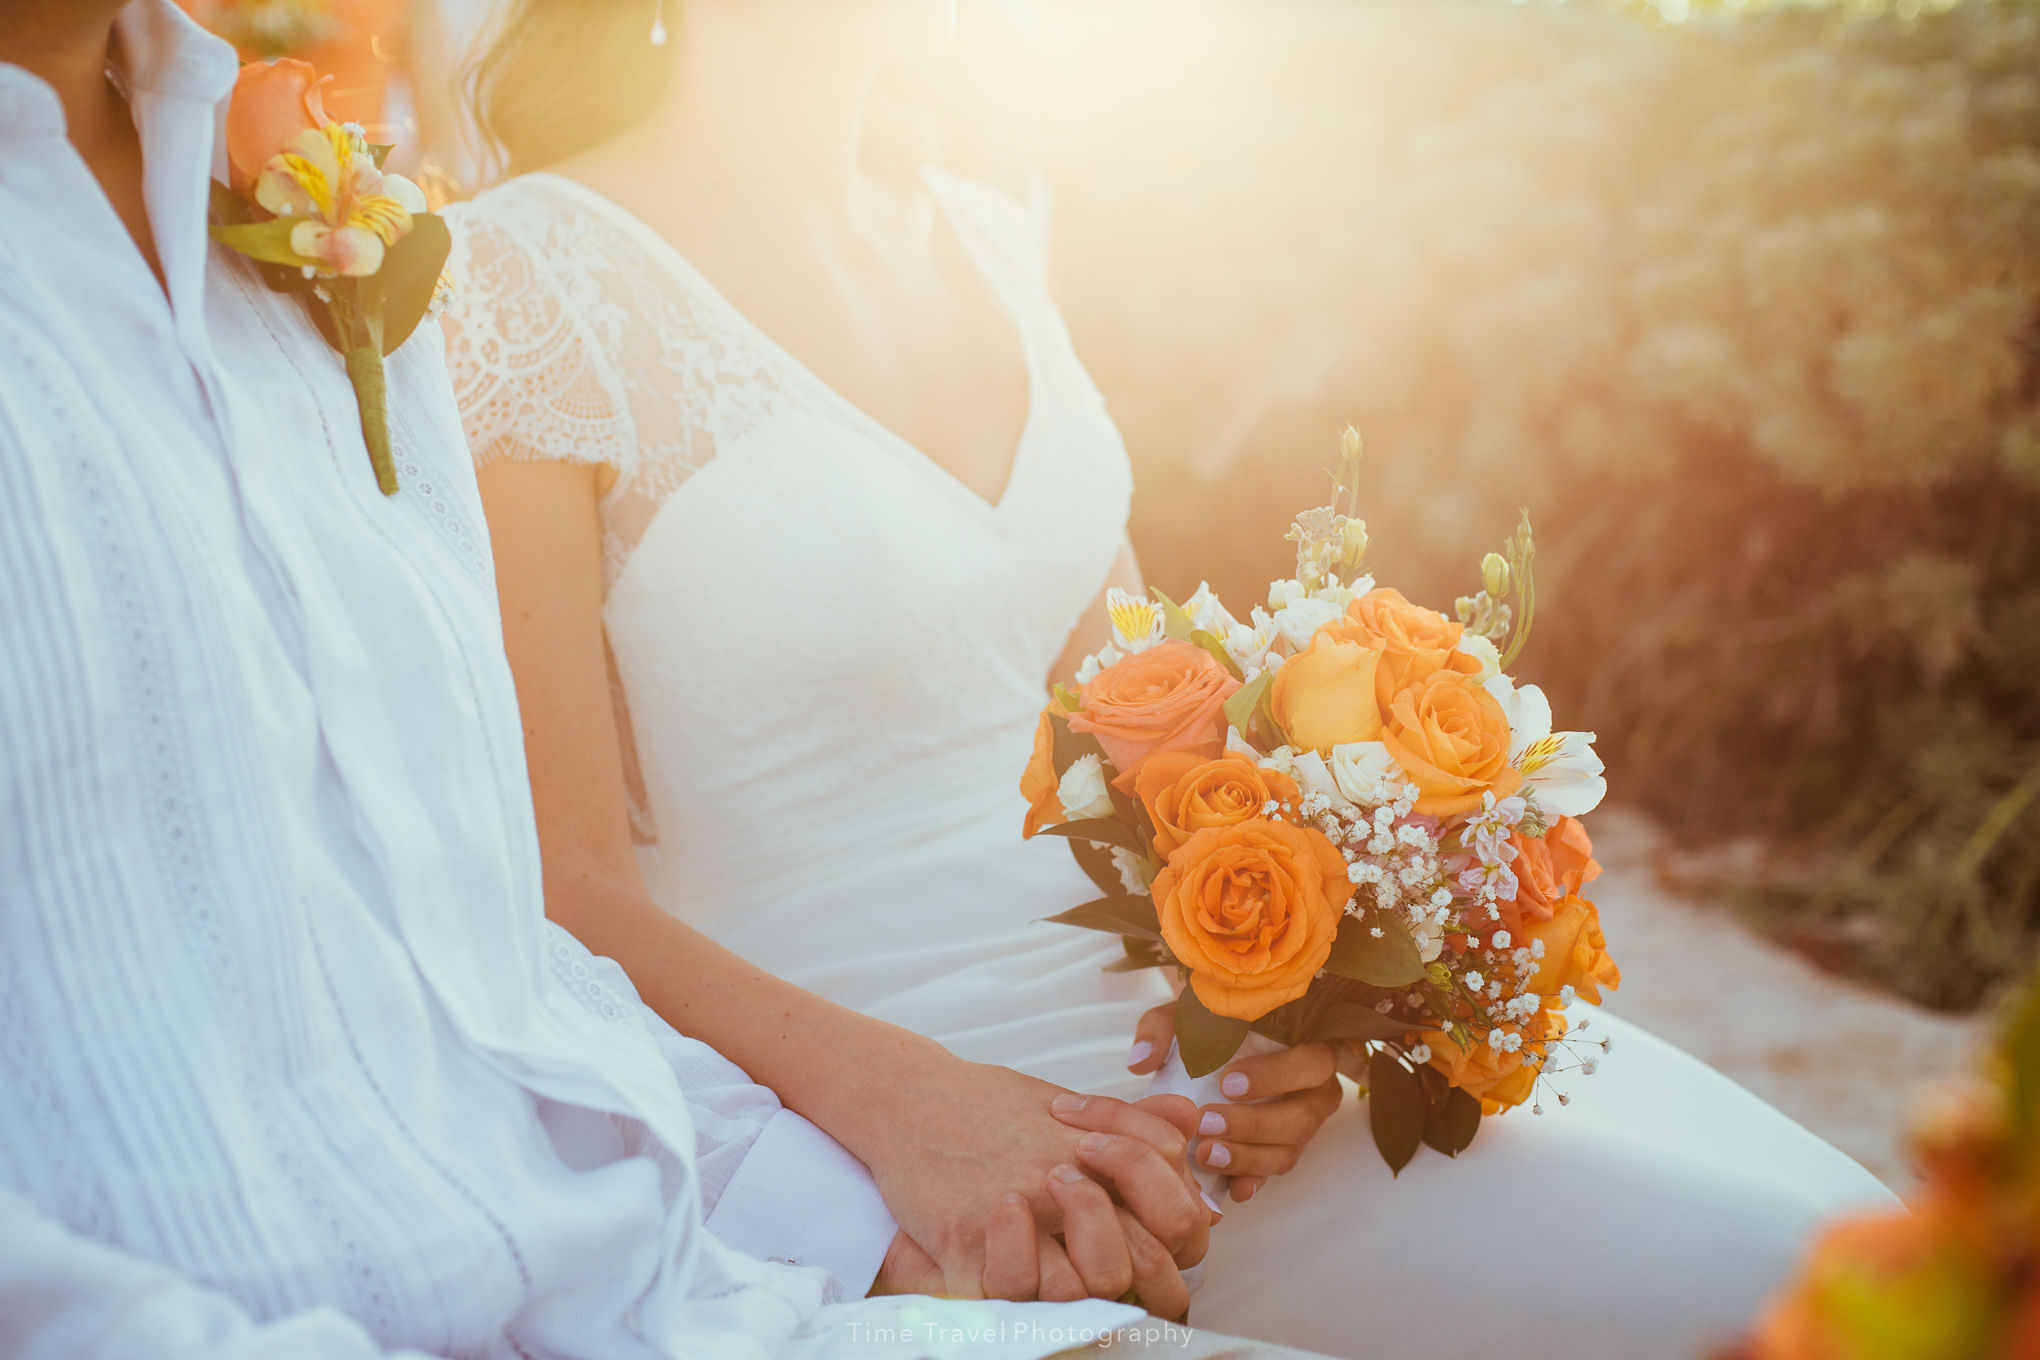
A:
(1066, 1103)
(1066, 1174)
(1012, 1199)
(1093, 1142)
(1234, 1085)
(1210, 1203)
(1217, 1154)
(1142, 1051)
(1213, 1122)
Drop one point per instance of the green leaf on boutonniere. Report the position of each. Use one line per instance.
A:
(404, 286)
(268, 242)
(1396, 1109)
(1391, 960)
(1205, 1041)
(228, 207)
(1104, 830)
(1210, 643)
(1120, 915)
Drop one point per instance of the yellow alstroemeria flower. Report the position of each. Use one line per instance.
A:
(350, 212)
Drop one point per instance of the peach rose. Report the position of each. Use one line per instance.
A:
(1326, 696)
(274, 101)
(1252, 910)
(1185, 794)
(1452, 739)
(1039, 786)
(1499, 1079)
(1416, 642)
(1548, 869)
(1170, 697)
(1575, 952)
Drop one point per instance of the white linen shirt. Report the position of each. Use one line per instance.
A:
(291, 1062)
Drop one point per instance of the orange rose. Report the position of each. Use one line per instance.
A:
(1251, 910)
(1186, 794)
(274, 101)
(1416, 642)
(1325, 696)
(1499, 1079)
(1452, 739)
(1575, 953)
(1549, 868)
(1170, 697)
(1039, 786)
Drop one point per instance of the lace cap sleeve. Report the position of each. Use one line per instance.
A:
(531, 380)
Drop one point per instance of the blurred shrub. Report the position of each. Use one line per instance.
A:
(1746, 310)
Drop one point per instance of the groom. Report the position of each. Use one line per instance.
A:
(290, 1062)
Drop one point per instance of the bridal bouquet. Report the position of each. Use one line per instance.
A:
(1340, 818)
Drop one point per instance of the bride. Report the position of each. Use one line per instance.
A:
(799, 496)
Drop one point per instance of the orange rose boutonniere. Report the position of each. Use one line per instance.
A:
(310, 202)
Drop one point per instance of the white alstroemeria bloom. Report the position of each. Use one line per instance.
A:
(1088, 672)
(1248, 646)
(1207, 613)
(1339, 596)
(1281, 594)
(1297, 622)
(1560, 767)
(1484, 651)
(1313, 776)
(1082, 792)
(1136, 623)
(1367, 774)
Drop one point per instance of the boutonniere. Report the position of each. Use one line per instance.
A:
(311, 204)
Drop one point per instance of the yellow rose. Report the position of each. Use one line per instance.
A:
(1325, 697)
(1252, 910)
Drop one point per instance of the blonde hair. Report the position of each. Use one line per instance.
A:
(559, 76)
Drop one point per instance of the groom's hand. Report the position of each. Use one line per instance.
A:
(1103, 1252)
(957, 1140)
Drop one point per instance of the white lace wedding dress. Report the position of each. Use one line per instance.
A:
(833, 655)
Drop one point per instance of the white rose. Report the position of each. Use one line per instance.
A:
(1309, 770)
(1298, 621)
(1483, 651)
(1366, 773)
(1082, 792)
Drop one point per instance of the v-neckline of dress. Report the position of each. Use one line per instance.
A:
(1007, 303)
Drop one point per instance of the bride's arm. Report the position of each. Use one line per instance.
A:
(1293, 1092)
(946, 1139)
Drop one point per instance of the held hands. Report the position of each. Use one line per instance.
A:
(1293, 1093)
(1007, 1187)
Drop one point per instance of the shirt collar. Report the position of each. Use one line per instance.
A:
(163, 51)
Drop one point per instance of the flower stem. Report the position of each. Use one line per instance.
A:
(360, 330)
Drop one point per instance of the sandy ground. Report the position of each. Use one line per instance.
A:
(1840, 1058)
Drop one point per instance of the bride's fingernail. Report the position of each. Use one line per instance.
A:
(1142, 1051)
(1093, 1142)
(1234, 1085)
(1212, 1123)
(1014, 1198)
(1066, 1103)
(1211, 1204)
(1217, 1154)
(1068, 1175)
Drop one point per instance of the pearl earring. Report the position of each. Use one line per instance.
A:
(658, 23)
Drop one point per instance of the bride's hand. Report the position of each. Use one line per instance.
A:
(963, 1136)
(1293, 1093)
